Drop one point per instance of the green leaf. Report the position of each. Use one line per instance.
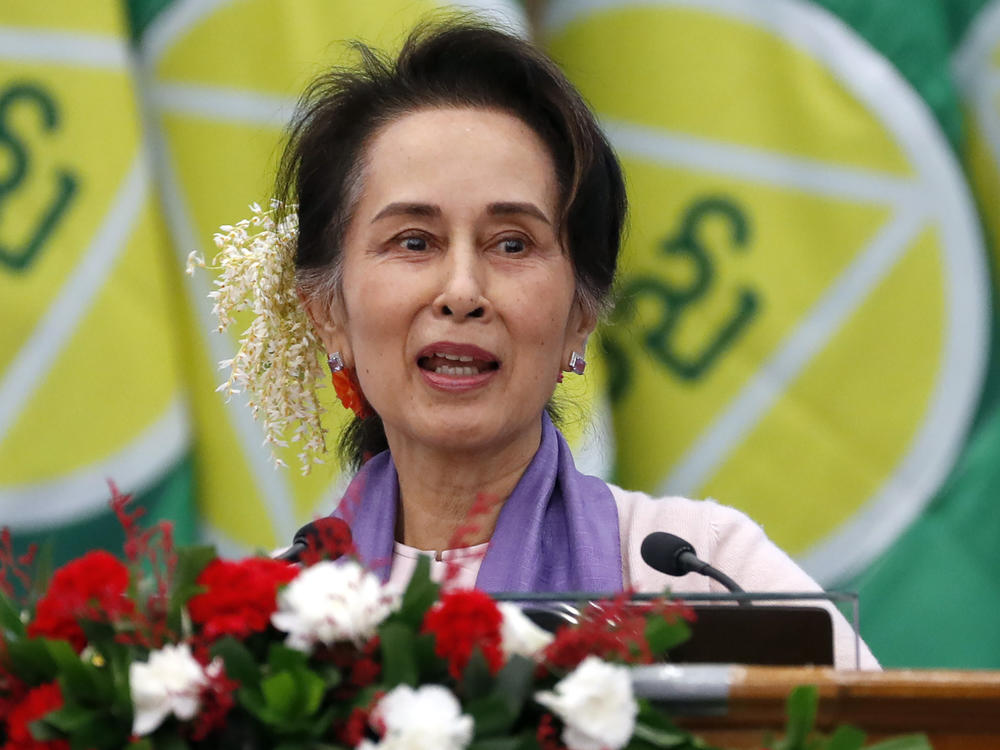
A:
(801, 708)
(492, 715)
(31, 660)
(498, 743)
(429, 665)
(396, 641)
(171, 741)
(10, 617)
(662, 737)
(190, 562)
(846, 738)
(79, 679)
(240, 664)
(317, 727)
(41, 730)
(70, 719)
(143, 744)
(663, 635)
(477, 680)
(281, 658)
(420, 594)
(311, 690)
(906, 742)
(516, 681)
(281, 695)
(44, 565)
(99, 733)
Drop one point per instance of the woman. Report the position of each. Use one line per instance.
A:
(459, 221)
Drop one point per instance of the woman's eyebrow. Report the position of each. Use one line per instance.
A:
(407, 209)
(507, 208)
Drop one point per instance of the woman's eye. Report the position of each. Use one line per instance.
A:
(512, 245)
(416, 244)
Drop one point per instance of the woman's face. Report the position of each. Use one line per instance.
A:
(459, 308)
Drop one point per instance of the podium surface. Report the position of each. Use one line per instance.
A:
(954, 708)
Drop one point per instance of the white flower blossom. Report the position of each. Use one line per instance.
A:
(170, 682)
(278, 362)
(519, 634)
(329, 602)
(596, 705)
(428, 718)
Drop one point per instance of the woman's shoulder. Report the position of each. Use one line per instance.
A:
(703, 523)
(723, 536)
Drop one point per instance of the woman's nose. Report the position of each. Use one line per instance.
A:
(462, 293)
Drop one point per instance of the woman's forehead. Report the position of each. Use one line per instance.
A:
(458, 157)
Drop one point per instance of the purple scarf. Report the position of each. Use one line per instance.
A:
(558, 530)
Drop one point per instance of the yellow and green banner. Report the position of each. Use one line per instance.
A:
(804, 320)
(91, 384)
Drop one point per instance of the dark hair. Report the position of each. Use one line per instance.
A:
(462, 62)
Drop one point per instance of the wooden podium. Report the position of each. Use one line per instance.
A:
(957, 710)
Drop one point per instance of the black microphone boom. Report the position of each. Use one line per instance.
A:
(674, 556)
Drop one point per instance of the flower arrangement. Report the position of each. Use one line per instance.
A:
(180, 649)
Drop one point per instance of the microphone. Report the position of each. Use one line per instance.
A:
(674, 556)
(332, 535)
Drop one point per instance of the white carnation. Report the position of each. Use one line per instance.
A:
(329, 602)
(596, 705)
(520, 635)
(170, 682)
(429, 718)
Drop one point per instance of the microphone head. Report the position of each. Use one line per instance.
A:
(662, 551)
(330, 537)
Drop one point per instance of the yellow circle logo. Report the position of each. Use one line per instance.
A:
(801, 324)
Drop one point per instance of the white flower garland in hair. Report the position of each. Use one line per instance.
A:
(278, 361)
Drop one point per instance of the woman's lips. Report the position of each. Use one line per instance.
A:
(451, 366)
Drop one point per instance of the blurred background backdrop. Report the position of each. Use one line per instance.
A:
(804, 324)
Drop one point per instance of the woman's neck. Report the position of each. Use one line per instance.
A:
(450, 499)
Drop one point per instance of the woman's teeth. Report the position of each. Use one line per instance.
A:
(455, 369)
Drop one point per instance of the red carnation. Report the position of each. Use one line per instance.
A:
(460, 622)
(89, 588)
(240, 597)
(614, 630)
(36, 704)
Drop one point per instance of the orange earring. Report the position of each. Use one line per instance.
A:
(345, 383)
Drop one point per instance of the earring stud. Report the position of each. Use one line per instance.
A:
(577, 363)
(335, 361)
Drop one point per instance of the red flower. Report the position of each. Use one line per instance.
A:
(90, 588)
(460, 622)
(355, 726)
(215, 701)
(613, 630)
(546, 734)
(240, 596)
(348, 389)
(35, 705)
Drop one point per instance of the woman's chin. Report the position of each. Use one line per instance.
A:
(466, 431)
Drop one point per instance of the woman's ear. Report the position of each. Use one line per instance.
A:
(327, 318)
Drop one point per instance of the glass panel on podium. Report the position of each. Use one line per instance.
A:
(768, 629)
